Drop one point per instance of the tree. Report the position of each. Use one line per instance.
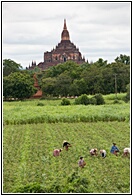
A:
(10, 66)
(7, 87)
(72, 79)
(78, 87)
(63, 84)
(101, 62)
(108, 80)
(122, 72)
(123, 59)
(18, 85)
(93, 78)
(48, 86)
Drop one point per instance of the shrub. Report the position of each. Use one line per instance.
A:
(93, 101)
(83, 99)
(65, 101)
(99, 99)
(29, 188)
(72, 177)
(77, 184)
(116, 101)
(40, 104)
(127, 97)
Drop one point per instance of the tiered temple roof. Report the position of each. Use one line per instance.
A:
(64, 51)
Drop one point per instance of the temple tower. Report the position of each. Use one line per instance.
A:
(65, 33)
(64, 51)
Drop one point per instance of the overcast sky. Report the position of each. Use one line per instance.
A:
(98, 29)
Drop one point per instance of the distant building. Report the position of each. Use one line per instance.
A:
(38, 94)
(64, 51)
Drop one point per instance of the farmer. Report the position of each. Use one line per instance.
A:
(66, 144)
(93, 151)
(81, 162)
(126, 151)
(56, 152)
(103, 153)
(114, 149)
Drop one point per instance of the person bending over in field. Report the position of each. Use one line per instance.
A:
(66, 145)
(114, 149)
(103, 153)
(56, 152)
(81, 162)
(126, 152)
(93, 151)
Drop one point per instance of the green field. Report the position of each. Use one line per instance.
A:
(28, 112)
(28, 163)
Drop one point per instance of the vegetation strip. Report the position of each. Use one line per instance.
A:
(43, 171)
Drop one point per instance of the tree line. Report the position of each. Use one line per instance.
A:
(68, 79)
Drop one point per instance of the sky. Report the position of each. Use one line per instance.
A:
(98, 29)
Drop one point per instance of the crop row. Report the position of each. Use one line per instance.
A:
(14, 114)
(28, 159)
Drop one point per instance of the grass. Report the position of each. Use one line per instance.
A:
(28, 112)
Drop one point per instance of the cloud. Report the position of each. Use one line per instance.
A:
(96, 28)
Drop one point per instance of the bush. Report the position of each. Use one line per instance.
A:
(116, 101)
(93, 101)
(127, 97)
(29, 188)
(40, 104)
(65, 101)
(99, 99)
(77, 184)
(83, 99)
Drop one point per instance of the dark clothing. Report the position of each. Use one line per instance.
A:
(65, 144)
(114, 149)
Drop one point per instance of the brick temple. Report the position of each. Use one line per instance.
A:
(64, 51)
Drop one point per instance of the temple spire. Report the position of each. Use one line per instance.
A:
(65, 27)
(65, 33)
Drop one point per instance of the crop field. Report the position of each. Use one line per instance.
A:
(28, 112)
(28, 162)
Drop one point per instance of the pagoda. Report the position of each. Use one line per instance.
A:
(64, 51)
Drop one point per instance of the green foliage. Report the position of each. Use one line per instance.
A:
(65, 101)
(83, 99)
(99, 99)
(73, 176)
(48, 86)
(10, 66)
(111, 97)
(123, 59)
(54, 112)
(77, 184)
(116, 101)
(29, 165)
(72, 79)
(78, 87)
(93, 101)
(127, 97)
(63, 84)
(70, 67)
(18, 85)
(40, 104)
(29, 188)
(101, 62)
(7, 87)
